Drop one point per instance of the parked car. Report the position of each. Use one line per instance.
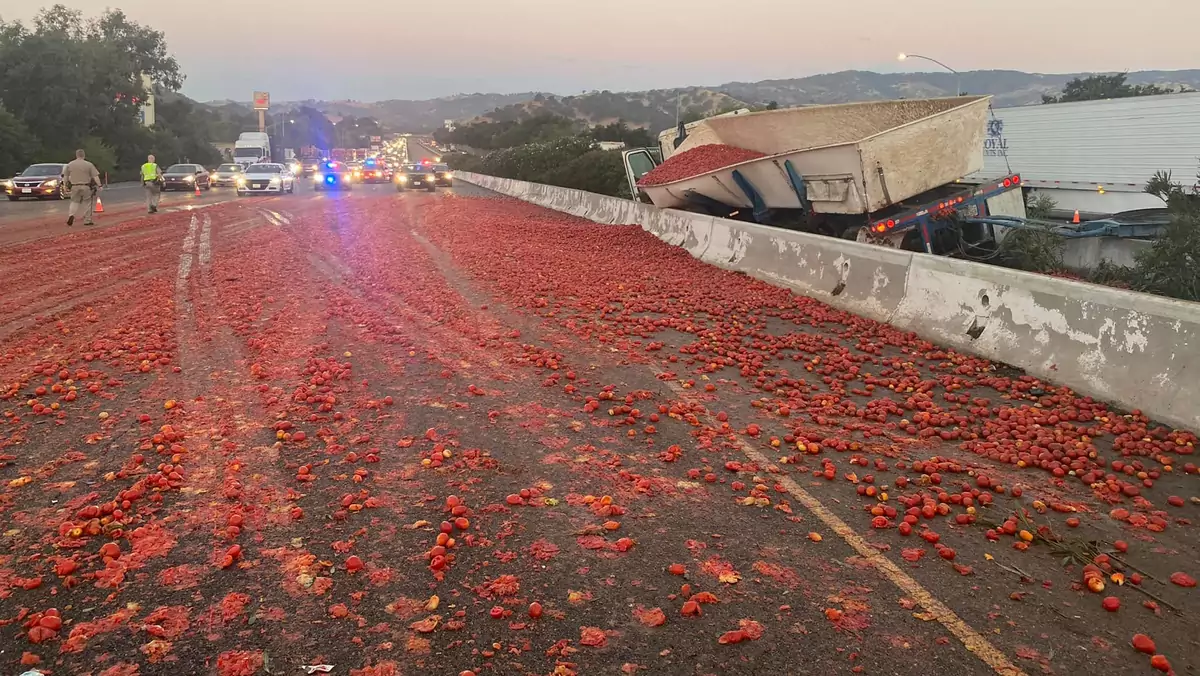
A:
(266, 178)
(416, 176)
(226, 174)
(185, 177)
(39, 181)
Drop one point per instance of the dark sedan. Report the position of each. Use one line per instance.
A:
(415, 176)
(185, 177)
(39, 181)
(443, 175)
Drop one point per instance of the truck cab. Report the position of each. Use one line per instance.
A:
(252, 148)
(639, 161)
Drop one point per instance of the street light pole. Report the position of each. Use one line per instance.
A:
(957, 78)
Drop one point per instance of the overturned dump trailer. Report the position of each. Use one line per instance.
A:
(884, 171)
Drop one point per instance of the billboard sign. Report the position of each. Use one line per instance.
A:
(262, 100)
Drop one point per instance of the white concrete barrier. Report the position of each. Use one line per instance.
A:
(1133, 349)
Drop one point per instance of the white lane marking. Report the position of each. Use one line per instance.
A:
(205, 242)
(270, 216)
(283, 216)
(185, 258)
(195, 207)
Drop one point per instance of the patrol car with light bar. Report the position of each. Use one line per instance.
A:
(332, 175)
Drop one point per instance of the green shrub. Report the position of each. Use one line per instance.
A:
(569, 163)
(464, 162)
(598, 171)
(100, 154)
(1171, 266)
(1039, 206)
(1109, 273)
(17, 145)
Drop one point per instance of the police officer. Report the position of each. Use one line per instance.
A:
(152, 183)
(83, 180)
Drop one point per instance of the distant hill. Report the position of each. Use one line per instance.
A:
(656, 108)
(1009, 87)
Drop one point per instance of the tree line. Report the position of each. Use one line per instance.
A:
(547, 148)
(69, 81)
(72, 82)
(1112, 86)
(496, 135)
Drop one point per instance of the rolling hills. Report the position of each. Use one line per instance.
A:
(656, 108)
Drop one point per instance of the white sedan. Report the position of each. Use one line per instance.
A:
(266, 178)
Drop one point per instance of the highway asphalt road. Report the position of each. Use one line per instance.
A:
(451, 433)
(418, 152)
(26, 219)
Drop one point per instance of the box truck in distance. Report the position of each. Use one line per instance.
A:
(252, 147)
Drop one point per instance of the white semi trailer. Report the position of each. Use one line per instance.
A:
(1095, 156)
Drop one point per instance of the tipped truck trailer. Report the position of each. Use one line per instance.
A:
(886, 172)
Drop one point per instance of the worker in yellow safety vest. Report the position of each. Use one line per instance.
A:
(152, 184)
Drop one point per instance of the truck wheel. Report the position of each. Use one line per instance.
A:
(852, 233)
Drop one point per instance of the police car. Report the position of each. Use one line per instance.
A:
(376, 171)
(332, 176)
(265, 178)
(413, 176)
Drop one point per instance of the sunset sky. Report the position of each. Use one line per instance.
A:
(382, 49)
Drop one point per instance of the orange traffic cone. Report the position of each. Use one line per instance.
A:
(99, 206)
(1076, 218)
(197, 190)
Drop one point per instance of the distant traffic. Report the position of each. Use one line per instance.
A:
(258, 168)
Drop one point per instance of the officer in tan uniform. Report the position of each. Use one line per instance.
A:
(83, 180)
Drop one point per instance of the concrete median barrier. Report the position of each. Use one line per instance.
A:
(1133, 349)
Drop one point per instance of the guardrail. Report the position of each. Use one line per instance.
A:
(1133, 349)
